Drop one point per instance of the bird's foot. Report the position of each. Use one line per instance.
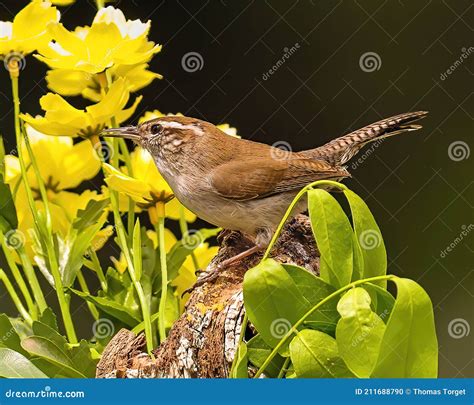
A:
(214, 274)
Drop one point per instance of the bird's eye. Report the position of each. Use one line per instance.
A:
(156, 129)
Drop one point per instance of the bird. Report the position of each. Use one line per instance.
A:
(243, 185)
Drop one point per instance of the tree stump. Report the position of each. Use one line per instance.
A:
(203, 341)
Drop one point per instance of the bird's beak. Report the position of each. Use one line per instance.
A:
(130, 132)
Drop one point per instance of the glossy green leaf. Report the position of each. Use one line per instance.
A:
(333, 234)
(369, 237)
(15, 365)
(43, 330)
(119, 311)
(50, 351)
(359, 332)
(381, 300)
(409, 347)
(258, 351)
(240, 369)
(315, 355)
(272, 300)
(9, 336)
(314, 289)
(90, 215)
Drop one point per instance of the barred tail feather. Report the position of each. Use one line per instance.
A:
(340, 150)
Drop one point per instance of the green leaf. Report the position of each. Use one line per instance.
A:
(48, 317)
(49, 350)
(15, 365)
(358, 269)
(272, 300)
(314, 290)
(51, 370)
(119, 311)
(315, 355)
(333, 234)
(240, 369)
(82, 359)
(359, 332)
(369, 238)
(8, 218)
(382, 300)
(409, 346)
(43, 330)
(90, 215)
(9, 336)
(258, 351)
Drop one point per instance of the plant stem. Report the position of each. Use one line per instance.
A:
(85, 289)
(45, 235)
(284, 368)
(136, 283)
(160, 209)
(98, 269)
(243, 328)
(14, 296)
(100, 4)
(294, 328)
(292, 205)
(183, 227)
(32, 279)
(19, 278)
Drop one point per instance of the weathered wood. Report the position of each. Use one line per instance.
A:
(202, 342)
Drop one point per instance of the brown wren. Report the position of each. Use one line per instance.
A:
(238, 184)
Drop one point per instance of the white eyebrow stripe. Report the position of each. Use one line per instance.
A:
(174, 124)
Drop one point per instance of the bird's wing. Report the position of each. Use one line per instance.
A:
(257, 178)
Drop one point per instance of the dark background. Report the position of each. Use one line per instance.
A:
(421, 198)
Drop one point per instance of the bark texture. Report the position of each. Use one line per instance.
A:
(202, 342)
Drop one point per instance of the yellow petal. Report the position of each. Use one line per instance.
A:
(115, 99)
(67, 82)
(173, 211)
(81, 163)
(138, 190)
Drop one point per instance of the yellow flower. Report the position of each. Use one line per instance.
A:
(146, 186)
(61, 118)
(70, 82)
(62, 166)
(62, 2)
(111, 40)
(28, 30)
(149, 115)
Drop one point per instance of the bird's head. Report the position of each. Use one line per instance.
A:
(165, 135)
